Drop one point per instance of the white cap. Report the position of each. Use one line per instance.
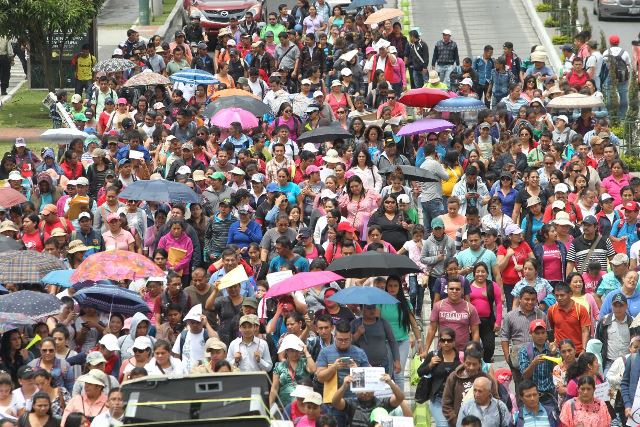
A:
(117, 51)
(291, 342)
(159, 105)
(317, 93)
(392, 49)
(194, 314)
(15, 176)
(313, 397)
(467, 81)
(563, 117)
(603, 196)
(310, 146)
(231, 42)
(305, 82)
(183, 170)
(82, 181)
(84, 215)
(446, 31)
(382, 43)
(558, 204)
(346, 72)
(403, 198)
(142, 343)
(135, 154)
(20, 142)
(110, 342)
(561, 188)
(237, 171)
(336, 82)
(301, 391)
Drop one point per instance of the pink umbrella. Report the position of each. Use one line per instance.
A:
(116, 265)
(301, 281)
(10, 197)
(226, 116)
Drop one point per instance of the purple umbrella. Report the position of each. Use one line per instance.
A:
(424, 126)
(460, 104)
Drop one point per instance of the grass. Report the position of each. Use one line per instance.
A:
(25, 110)
(35, 146)
(543, 7)
(167, 6)
(550, 22)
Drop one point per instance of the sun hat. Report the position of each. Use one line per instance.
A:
(94, 376)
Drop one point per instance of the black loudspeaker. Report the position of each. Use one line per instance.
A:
(222, 399)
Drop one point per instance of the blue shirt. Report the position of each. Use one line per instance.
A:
(292, 191)
(537, 225)
(537, 419)
(507, 200)
(633, 303)
(246, 287)
(301, 264)
(238, 143)
(621, 228)
(483, 69)
(329, 355)
(123, 153)
(542, 373)
(500, 82)
(468, 258)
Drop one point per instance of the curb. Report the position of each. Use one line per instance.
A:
(538, 26)
(172, 20)
(12, 92)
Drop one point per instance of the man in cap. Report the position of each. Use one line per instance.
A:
(513, 63)
(445, 56)
(51, 220)
(238, 67)
(193, 31)
(534, 366)
(390, 158)
(626, 229)
(310, 56)
(262, 59)
(384, 60)
(437, 248)
(180, 41)
(589, 247)
(248, 352)
(187, 159)
(96, 360)
(215, 351)
(623, 65)
(190, 344)
(613, 331)
(203, 61)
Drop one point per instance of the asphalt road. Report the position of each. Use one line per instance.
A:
(627, 30)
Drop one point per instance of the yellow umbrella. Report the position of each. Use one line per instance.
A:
(383, 15)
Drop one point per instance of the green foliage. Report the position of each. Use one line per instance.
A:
(574, 16)
(632, 160)
(559, 40)
(47, 24)
(634, 107)
(550, 22)
(586, 25)
(603, 42)
(543, 7)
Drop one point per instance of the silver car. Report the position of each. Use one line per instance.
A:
(616, 9)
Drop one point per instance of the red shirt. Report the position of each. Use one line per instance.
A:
(509, 275)
(60, 223)
(569, 323)
(33, 241)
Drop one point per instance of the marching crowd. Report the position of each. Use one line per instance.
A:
(525, 230)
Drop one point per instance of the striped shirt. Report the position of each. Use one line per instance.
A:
(539, 419)
(579, 250)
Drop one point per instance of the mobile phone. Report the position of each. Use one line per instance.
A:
(344, 359)
(312, 314)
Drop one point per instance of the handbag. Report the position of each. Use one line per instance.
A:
(423, 390)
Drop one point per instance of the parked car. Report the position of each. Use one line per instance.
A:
(616, 9)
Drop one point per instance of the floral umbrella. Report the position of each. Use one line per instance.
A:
(10, 197)
(116, 265)
(27, 266)
(147, 78)
(113, 65)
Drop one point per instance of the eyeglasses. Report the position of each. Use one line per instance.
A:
(340, 112)
(389, 202)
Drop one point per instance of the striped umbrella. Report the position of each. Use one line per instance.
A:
(193, 76)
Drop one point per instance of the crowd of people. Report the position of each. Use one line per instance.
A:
(525, 232)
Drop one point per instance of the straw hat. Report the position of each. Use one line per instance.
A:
(76, 246)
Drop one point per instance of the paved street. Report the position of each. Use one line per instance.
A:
(475, 23)
(627, 30)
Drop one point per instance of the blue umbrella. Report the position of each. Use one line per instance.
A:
(58, 278)
(78, 286)
(460, 104)
(159, 191)
(3, 290)
(111, 299)
(363, 295)
(355, 4)
(194, 76)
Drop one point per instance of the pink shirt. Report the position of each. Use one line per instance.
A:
(480, 301)
(459, 317)
(120, 241)
(590, 282)
(613, 187)
(306, 422)
(552, 263)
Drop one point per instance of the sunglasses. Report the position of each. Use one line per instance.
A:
(446, 340)
(287, 111)
(391, 98)
(44, 350)
(432, 139)
(137, 350)
(389, 202)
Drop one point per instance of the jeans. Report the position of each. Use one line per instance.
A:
(418, 79)
(340, 416)
(444, 72)
(397, 89)
(432, 284)
(417, 298)
(508, 298)
(623, 90)
(431, 209)
(403, 347)
(488, 338)
(435, 406)
(5, 72)
(481, 91)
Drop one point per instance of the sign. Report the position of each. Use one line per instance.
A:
(602, 391)
(397, 422)
(634, 419)
(278, 276)
(233, 277)
(368, 379)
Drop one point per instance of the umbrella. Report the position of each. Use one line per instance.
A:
(575, 100)
(147, 78)
(356, 4)
(159, 191)
(9, 244)
(116, 265)
(10, 197)
(59, 278)
(35, 305)
(224, 93)
(17, 319)
(425, 125)
(301, 281)
(78, 286)
(225, 117)
(247, 103)
(368, 295)
(370, 264)
(113, 65)
(460, 104)
(413, 173)
(194, 76)
(636, 322)
(111, 299)
(323, 134)
(27, 266)
(63, 135)
(3, 290)
(383, 15)
(425, 97)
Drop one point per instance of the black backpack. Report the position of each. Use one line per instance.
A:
(622, 71)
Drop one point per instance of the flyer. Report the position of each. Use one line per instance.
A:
(368, 379)
(397, 422)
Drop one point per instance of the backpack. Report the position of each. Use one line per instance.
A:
(183, 337)
(622, 71)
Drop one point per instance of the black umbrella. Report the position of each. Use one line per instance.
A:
(9, 244)
(323, 134)
(370, 264)
(247, 103)
(413, 173)
(34, 305)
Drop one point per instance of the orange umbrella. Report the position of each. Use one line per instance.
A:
(231, 92)
(383, 15)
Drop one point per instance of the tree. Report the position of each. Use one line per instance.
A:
(48, 25)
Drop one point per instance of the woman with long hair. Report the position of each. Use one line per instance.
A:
(357, 128)
(531, 278)
(533, 221)
(584, 410)
(373, 141)
(496, 218)
(486, 297)
(198, 220)
(400, 317)
(551, 255)
(586, 365)
(576, 184)
(507, 192)
(178, 240)
(358, 204)
(526, 138)
(41, 414)
(363, 167)
(59, 396)
(295, 365)
(531, 188)
(162, 362)
(567, 350)
(614, 182)
(13, 353)
(587, 300)
(453, 168)
(394, 225)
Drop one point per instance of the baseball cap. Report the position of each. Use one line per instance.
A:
(110, 342)
(122, 101)
(313, 397)
(631, 206)
(484, 125)
(563, 118)
(317, 93)
(311, 169)
(158, 105)
(537, 323)
(310, 146)
(305, 82)
(95, 358)
(305, 232)
(567, 47)
(446, 31)
(614, 39)
(258, 177)
(187, 146)
(226, 201)
(217, 175)
(202, 45)
(272, 187)
(512, 229)
(403, 198)
(346, 72)
(249, 318)
(142, 343)
(619, 298)
(437, 223)
(113, 217)
(532, 201)
(605, 196)
(467, 81)
(198, 175)
(620, 259)
(311, 108)
(591, 220)
(15, 176)
(179, 33)
(558, 204)
(345, 226)
(49, 209)
(25, 372)
(84, 215)
(237, 171)
(214, 344)
(20, 142)
(75, 99)
(561, 188)
(250, 302)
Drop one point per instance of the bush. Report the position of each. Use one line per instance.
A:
(543, 7)
(550, 22)
(617, 130)
(559, 40)
(632, 161)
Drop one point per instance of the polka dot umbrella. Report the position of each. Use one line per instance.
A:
(34, 305)
(27, 266)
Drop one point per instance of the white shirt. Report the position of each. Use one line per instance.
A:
(176, 368)
(615, 51)
(192, 355)
(595, 60)
(248, 361)
(106, 420)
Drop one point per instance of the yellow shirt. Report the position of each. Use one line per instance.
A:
(84, 67)
(454, 176)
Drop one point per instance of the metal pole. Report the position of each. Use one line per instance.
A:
(143, 12)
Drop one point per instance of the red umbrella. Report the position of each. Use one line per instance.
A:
(425, 97)
(10, 197)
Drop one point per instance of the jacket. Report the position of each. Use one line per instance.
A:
(215, 238)
(538, 251)
(126, 341)
(495, 415)
(602, 334)
(308, 60)
(416, 55)
(183, 242)
(630, 380)
(454, 391)
(430, 250)
(438, 373)
(242, 239)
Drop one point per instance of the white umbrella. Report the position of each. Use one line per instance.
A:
(63, 134)
(575, 100)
